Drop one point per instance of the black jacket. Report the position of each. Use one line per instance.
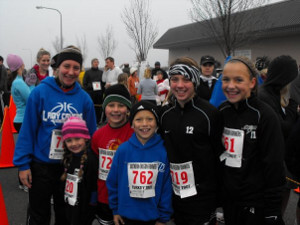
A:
(90, 76)
(193, 133)
(82, 212)
(204, 91)
(260, 180)
(282, 71)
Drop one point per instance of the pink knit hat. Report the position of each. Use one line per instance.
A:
(14, 62)
(75, 127)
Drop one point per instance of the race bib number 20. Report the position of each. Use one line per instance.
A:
(71, 189)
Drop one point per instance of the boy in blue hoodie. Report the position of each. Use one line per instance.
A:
(139, 181)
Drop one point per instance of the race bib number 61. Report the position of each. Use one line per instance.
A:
(233, 141)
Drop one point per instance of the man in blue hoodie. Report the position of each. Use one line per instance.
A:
(39, 147)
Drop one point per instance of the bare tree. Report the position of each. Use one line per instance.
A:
(107, 43)
(229, 22)
(139, 27)
(56, 44)
(82, 45)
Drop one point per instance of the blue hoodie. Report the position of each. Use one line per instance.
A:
(47, 108)
(143, 209)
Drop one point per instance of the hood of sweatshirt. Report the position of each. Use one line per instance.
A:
(281, 71)
(154, 140)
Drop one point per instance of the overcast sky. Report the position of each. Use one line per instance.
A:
(25, 29)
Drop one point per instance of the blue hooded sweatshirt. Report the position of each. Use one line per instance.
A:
(142, 209)
(48, 107)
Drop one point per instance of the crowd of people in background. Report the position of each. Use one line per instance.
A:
(125, 146)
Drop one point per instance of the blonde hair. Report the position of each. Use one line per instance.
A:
(123, 79)
(147, 73)
(41, 53)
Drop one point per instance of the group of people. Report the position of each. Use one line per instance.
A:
(148, 164)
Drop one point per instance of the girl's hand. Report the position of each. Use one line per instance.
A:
(118, 220)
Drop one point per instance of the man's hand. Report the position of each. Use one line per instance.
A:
(25, 177)
(118, 220)
(107, 85)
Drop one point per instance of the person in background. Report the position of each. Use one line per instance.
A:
(275, 91)
(39, 149)
(81, 76)
(126, 69)
(40, 70)
(163, 87)
(157, 68)
(207, 78)
(253, 160)
(3, 87)
(148, 88)
(53, 65)
(107, 139)
(123, 79)
(133, 83)
(93, 85)
(142, 158)
(261, 64)
(20, 92)
(192, 131)
(79, 180)
(111, 72)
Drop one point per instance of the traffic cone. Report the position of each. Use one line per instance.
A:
(3, 214)
(297, 190)
(12, 113)
(7, 142)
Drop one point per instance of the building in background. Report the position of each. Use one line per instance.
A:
(278, 34)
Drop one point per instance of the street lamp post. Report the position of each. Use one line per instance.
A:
(27, 49)
(61, 39)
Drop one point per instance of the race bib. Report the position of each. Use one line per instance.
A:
(142, 179)
(183, 180)
(233, 141)
(71, 189)
(56, 147)
(105, 160)
(136, 84)
(96, 85)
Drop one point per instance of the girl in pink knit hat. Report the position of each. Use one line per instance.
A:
(80, 174)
